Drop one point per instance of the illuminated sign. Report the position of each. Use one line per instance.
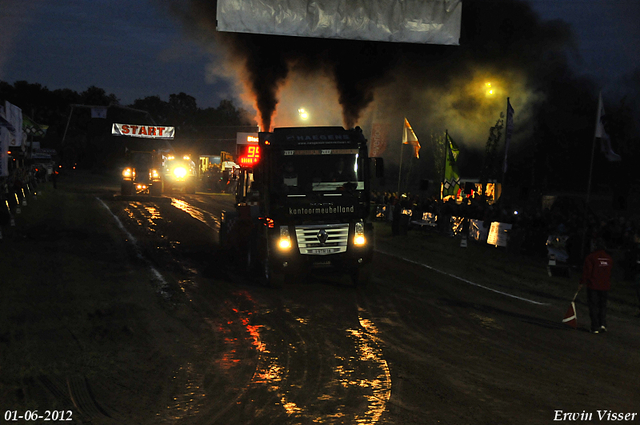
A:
(251, 156)
(144, 131)
(246, 138)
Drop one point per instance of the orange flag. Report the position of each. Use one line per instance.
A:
(410, 138)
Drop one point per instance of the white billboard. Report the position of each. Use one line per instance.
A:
(398, 21)
(11, 135)
(4, 147)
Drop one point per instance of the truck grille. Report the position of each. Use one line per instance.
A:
(322, 239)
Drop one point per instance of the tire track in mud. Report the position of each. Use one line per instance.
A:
(273, 369)
(223, 360)
(437, 331)
(330, 368)
(260, 359)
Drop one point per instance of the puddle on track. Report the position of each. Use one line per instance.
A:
(198, 213)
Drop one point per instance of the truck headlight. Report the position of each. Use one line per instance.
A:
(127, 173)
(180, 172)
(358, 238)
(153, 173)
(284, 243)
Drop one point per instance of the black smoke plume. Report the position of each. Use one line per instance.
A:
(436, 87)
(496, 34)
(356, 67)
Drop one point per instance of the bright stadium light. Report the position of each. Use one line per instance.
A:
(490, 91)
(303, 114)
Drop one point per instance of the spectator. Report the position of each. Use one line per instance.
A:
(596, 276)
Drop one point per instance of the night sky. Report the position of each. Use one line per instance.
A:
(137, 48)
(142, 48)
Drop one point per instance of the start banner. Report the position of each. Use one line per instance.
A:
(145, 131)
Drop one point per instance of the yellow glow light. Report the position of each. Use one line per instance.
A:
(358, 238)
(180, 172)
(284, 243)
(490, 90)
(303, 114)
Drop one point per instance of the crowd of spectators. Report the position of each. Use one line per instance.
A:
(532, 228)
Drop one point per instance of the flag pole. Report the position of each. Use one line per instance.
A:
(400, 171)
(586, 206)
(506, 149)
(593, 148)
(411, 161)
(444, 168)
(64, 135)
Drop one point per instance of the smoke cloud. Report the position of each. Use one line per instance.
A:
(263, 63)
(503, 42)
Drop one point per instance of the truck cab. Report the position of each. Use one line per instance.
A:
(303, 205)
(142, 173)
(180, 174)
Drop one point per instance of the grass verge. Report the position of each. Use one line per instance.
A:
(71, 302)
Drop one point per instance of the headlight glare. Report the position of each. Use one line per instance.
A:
(180, 172)
(358, 238)
(284, 243)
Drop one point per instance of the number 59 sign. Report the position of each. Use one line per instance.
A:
(251, 156)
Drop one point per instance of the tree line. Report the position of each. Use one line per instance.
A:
(556, 154)
(85, 139)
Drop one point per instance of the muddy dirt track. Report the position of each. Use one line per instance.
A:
(414, 347)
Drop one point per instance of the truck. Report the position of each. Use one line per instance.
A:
(179, 173)
(142, 173)
(215, 171)
(302, 204)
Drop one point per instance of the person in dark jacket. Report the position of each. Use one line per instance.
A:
(596, 276)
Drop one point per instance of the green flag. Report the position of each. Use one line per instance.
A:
(451, 183)
(32, 128)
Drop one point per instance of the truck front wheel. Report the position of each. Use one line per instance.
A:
(269, 277)
(361, 276)
(155, 189)
(126, 189)
(222, 234)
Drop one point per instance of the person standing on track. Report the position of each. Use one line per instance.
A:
(596, 276)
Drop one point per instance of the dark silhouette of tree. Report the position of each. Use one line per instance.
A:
(97, 96)
(156, 107)
(86, 139)
(183, 109)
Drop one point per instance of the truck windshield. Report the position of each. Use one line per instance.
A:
(297, 172)
(141, 159)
